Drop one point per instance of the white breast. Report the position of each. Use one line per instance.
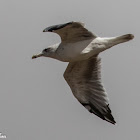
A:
(73, 51)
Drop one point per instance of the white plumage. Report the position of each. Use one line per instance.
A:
(80, 48)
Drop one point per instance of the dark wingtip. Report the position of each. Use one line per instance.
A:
(105, 116)
(45, 30)
(109, 117)
(110, 120)
(56, 27)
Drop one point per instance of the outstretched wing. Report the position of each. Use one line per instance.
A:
(71, 31)
(84, 79)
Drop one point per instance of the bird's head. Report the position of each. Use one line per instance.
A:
(46, 53)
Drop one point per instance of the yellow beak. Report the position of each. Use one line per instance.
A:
(37, 55)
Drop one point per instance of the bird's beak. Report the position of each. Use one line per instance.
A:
(37, 55)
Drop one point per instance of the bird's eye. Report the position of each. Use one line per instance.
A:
(45, 50)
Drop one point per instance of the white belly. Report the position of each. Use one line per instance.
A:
(78, 51)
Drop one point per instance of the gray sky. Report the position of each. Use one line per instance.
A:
(35, 101)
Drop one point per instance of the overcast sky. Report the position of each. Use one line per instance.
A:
(35, 101)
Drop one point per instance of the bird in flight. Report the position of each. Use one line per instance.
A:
(81, 48)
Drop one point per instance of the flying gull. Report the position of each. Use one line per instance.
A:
(81, 48)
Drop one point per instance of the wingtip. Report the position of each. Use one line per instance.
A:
(109, 117)
(112, 121)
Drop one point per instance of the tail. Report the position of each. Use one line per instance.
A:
(112, 41)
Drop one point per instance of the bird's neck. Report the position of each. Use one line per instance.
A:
(53, 54)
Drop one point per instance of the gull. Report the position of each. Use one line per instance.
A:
(81, 49)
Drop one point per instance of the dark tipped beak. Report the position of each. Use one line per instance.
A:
(37, 55)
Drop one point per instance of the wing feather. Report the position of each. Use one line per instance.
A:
(74, 32)
(84, 79)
